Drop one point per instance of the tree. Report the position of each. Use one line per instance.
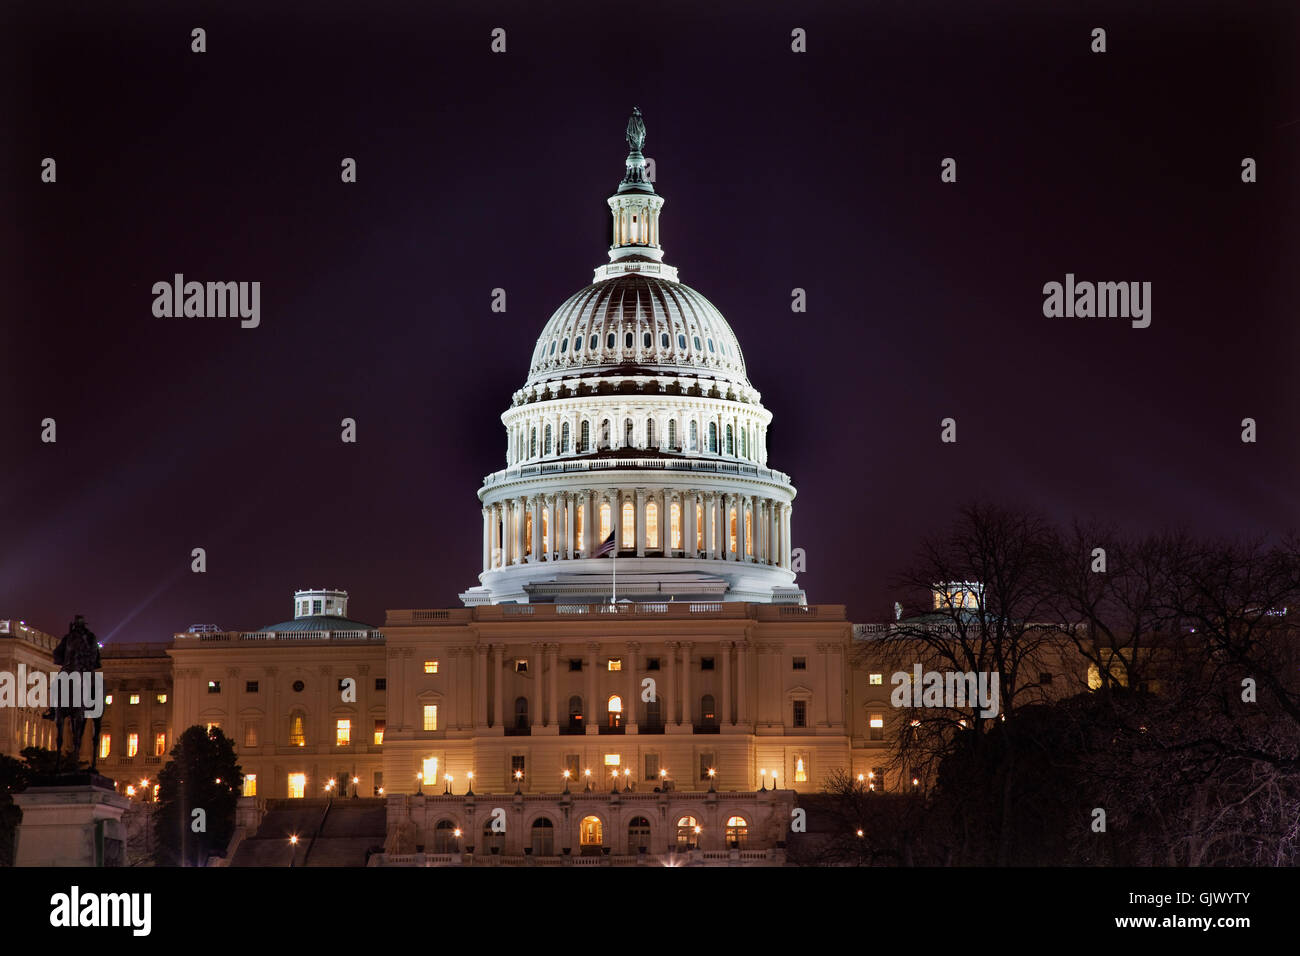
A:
(202, 775)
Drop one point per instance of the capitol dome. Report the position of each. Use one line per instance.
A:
(636, 451)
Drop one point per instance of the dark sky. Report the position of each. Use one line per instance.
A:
(479, 171)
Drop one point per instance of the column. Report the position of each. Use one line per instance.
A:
(742, 536)
(742, 683)
(634, 686)
(687, 706)
(640, 522)
(726, 683)
(499, 680)
(487, 538)
(772, 556)
(616, 517)
(665, 539)
(480, 686)
(669, 711)
(590, 523)
(590, 718)
(825, 651)
(697, 523)
(553, 652)
(785, 533)
(537, 527)
(710, 551)
(535, 712)
(520, 509)
(570, 523)
(553, 527)
(724, 544)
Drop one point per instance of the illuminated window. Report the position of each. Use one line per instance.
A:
(675, 525)
(800, 713)
(687, 833)
(379, 733)
(749, 532)
(737, 833)
(250, 735)
(134, 699)
(297, 733)
(430, 716)
(108, 700)
(731, 548)
(212, 725)
(521, 665)
(250, 784)
(546, 530)
(589, 832)
(431, 667)
(105, 746)
(577, 525)
(132, 744)
(430, 769)
(877, 679)
(571, 765)
(297, 786)
(629, 526)
(342, 732)
(699, 526)
(615, 707)
(800, 769)
(159, 744)
(528, 533)
(214, 687)
(605, 518)
(877, 726)
(315, 607)
(615, 664)
(613, 760)
(651, 525)
(161, 698)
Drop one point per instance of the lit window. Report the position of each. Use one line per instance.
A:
(430, 716)
(521, 665)
(105, 746)
(342, 732)
(132, 744)
(737, 832)
(297, 734)
(159, 744)
(629, 525)
(315, 607)
(877, 726)
(108, 700)
(250, 784)
(297, 786)
(675, 517)
(212, 725)
(605, 518)
(687, 833)
(214, 687)
(877, 679)
(731, 547)
(613, 760)
(379, 732)
(651, 525)
(250, 735)
(161, 698)
(800, 769)
(134, 699)
(615, 664)
(430, 769)
(431, 667)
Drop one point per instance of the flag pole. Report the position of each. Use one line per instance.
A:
(613, 590)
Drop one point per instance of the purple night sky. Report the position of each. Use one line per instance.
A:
(477, 170)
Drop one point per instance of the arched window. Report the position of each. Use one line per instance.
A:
(543, 837)
(731, 443)
(547, 444)
(604, 434)
(638, 835)
(444, 837)
(591, 345)
(749, 532)
(710, 345)
(579, 540)
(645, 340)
(737, 833)
(681, 342)
(609, 341)
(590, 834)
(627, 433)
(528, 532)
(629, 526)
(688, 833)
(663, 340)
(297, 731)
(521, 713)
(564, 346)
(654, 715)
(713, 437)
(699, 527)
(651, 525)
(575, 712)
(708, 715)
(744, 443)
(614, 706)
(553, 344)
(675, 526)
(493, 841)
(695, 436)
(649, 432)
(532, 444)
(564, 439)
(627, 340)
(605, 518)
(577, 343)
(697, 343)
(672, 433)
(731, 549)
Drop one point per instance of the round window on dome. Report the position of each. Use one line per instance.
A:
(681, 342)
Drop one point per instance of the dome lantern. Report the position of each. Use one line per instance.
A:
(635, 207)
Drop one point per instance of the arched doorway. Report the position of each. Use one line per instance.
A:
(444, 837)
(493, 842)
(614, 706)
(737, 833)
(688, 833)
(591, 836)
(543, 837)
(638, 835)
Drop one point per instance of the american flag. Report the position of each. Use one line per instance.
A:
(606, 547)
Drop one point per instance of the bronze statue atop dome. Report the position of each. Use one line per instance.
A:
(635, 131)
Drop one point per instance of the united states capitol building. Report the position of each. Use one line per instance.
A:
(636, 675)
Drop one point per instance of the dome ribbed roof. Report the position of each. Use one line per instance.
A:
(684, 332)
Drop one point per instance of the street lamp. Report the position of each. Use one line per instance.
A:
(447, 791)
(663, 779)
(712, 781)
(627, 780)
(470, 777)
(419, 783)
(773, 779)
(763, 778)
(615, 787)
(519, 775)
(356, 791)
(566, 781)
(587, 773)
(293, 842)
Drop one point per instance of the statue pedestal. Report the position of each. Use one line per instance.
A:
(71, 821)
